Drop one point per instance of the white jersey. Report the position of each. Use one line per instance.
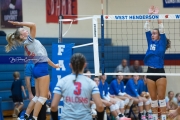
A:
(35, 49)
(76, 96)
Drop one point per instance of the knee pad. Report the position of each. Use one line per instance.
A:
(112, 108)
(93, 106)
(140, 104)
(126, 101)
(162, 103)
(42, 100)
(147, 102)
(117, 106)
(35, 99)
(154, 103)
(122, 104)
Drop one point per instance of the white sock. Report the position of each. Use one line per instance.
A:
(27, 114)
(35, 117)
(163, 117)
(149, 111)
(155, 116)
(117, 117)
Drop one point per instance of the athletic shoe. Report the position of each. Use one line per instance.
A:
(143, 117)
(25, 117)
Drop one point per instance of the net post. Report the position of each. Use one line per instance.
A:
(95, 45)
(102, 45)
(60, 29)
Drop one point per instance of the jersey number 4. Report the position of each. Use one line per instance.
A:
(77, 91)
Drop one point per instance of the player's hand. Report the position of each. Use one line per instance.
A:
(156, 10)
(173, 114)
(56, 66)
(14, 22)
(31, 96)
(49, 95)
(107, 103)
(151, 10)
(113, 101)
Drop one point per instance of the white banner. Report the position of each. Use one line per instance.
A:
(142, 17)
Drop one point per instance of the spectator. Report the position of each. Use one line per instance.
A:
(2, 33)
(125, 69)
(87, 72)
(178, 98)
(30, 83)
(136, 68)
(16, 90)
(171, 101)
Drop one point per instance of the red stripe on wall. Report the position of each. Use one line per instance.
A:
(166, 62)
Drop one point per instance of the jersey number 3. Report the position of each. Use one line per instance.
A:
(77, 90)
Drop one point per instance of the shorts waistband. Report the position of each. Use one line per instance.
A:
(39, 63)
(152, 67)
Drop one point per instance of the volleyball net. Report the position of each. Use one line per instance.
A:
(118, 37)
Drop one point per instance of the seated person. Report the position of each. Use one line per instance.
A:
(117, 89)
(114, 104)
(136, 68)
(123, 67)
(87, 72)
(132, 90)
(171, 101)
(178, 98)
(143, 91)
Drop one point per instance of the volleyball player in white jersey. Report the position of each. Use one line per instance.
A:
(36, 50)
(77, 91)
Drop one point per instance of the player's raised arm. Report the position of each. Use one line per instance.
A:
(31, 25)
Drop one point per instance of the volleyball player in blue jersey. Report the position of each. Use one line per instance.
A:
(117, 89)
(154, 59)
(132, 90)
(116, 105)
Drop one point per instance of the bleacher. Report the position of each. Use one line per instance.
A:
(112, 59)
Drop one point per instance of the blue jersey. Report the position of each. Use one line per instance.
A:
(155, 52)
(103, 89)
(28, 72)
(116, 88)
(132, 88)
(142, 87)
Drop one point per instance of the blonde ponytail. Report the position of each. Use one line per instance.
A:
(10, 39)
(13, 40)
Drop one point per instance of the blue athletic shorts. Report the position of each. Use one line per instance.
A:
(40, 70)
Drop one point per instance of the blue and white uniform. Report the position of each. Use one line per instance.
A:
(155, 52)
(142, 87)
(116, 88)
(154, 57)
(132, 88)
